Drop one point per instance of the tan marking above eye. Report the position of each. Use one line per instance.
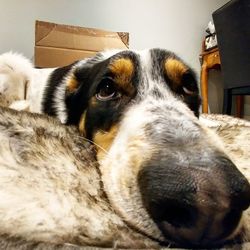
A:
(123, 70)
(104, 139)
(122, 66)
(175, 70)
(72, 84)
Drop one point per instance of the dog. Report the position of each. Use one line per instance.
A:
(157, 175)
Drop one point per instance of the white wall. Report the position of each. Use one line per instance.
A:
(177, 25)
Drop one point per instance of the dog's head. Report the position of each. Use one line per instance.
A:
(164, 173)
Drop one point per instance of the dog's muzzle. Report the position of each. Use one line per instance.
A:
(194, 205)
(191, 189)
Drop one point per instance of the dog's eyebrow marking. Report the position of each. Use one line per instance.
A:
(72, 84)
(175, 70)
(123, 70)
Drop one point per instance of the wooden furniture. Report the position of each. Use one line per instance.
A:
(210, 60)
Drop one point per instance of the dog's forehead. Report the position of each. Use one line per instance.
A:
(150, 60)
(144, 56)
(147, 70)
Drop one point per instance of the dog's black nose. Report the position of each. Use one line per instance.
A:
(194, 205)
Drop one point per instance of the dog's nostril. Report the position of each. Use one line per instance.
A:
(237, 186)
(173, 212)
(241, 198)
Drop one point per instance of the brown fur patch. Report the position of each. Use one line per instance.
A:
(175, 70)
(82, 124)
(72, 84)
(123, 69)
(104, 140)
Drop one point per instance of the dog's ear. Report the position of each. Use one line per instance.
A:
(182, 80)
(83, 70)
(77, 92)
(77, 78)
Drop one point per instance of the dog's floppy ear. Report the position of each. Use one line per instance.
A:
(77, 78)
(80, 87)
(77, 93)
(182, 80)
(82, 72)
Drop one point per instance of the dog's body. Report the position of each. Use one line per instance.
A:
(51, 189)
(162, 177)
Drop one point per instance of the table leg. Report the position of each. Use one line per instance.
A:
(204, 88)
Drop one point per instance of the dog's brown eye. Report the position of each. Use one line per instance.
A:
(106, 91)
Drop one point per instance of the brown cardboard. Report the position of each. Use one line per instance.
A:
(59, 45)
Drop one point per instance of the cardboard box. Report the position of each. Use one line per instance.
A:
(59, 45)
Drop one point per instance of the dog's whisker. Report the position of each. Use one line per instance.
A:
(97, 145)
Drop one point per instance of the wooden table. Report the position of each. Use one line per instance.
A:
(210, 60)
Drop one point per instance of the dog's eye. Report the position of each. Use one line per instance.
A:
(187, 91)
(189, 84)
(106, 90)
